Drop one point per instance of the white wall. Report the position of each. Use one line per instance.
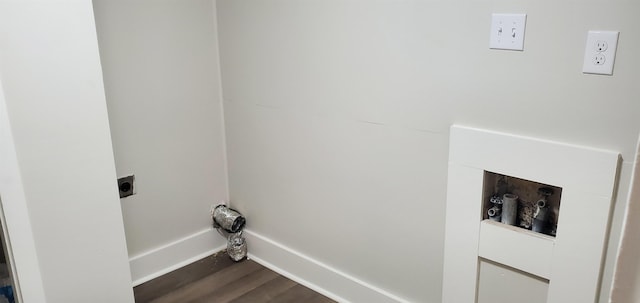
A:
(498, 284)
(16, 222)
(627, 275)
(337, 117)
(56, 106)
(163, 95)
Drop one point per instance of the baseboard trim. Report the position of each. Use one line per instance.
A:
(169, 257)
(311, 273)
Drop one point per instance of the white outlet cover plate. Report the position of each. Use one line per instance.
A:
(507, 31)
(600, 52)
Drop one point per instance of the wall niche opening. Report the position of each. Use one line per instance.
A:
(522, 203)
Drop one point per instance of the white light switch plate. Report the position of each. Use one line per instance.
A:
(507, 31)
(600, 52)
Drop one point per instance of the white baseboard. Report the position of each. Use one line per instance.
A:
(320, 277)
(169, 257)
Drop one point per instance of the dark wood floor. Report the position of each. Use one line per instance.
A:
(218, 279)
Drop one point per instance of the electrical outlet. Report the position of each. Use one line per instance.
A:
(507, 31)
(600, 52)
(599, 59)
(601, 46)
(125, 186)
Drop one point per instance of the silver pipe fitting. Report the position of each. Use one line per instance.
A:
(509, 209)
(495, 213)
(540, 217)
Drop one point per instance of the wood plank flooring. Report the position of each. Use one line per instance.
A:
(220, 280)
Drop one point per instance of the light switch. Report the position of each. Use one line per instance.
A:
(507, 31)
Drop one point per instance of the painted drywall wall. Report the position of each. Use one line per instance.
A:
(162, 83)
(16, 222)
(55, 101)
(501, 284)
(337, 116)
(626, 286)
